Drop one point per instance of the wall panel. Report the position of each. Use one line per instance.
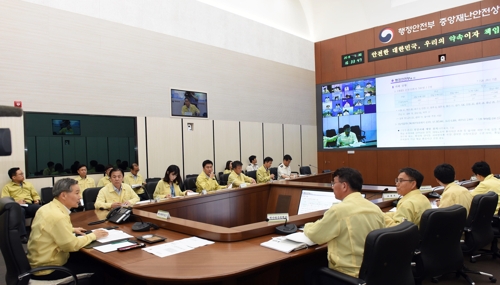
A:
(40, 183)
(326, 55)
(273, 144)
(362, 40)
(366, 162)
(334, 159)
(198, 144)
(227, 143)
(492, 157)
(462, 160)
(389, 162)
(392, 64)
(292, 145)
(164, 144)
(141, 146)
(309, 147)
(425, 161)
(252, 142)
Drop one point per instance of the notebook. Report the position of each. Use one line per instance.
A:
(289, 243)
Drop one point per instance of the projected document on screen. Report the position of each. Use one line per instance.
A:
(311, 201)
(451, 106)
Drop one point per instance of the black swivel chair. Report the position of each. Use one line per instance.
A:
(331, 133)
(190, 183)
(46, 195)
(274, 170)
(252, 174)
(192, 176)
(224, 178)
(478, 231)
(16, 262)
(386, 260)
(305, 170)
(89, 197)
(150, 188)
(154, 179)
(359, 133)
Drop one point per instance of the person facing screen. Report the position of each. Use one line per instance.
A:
(487, 183)
(453, 194)
(347, 137)
(189, 109)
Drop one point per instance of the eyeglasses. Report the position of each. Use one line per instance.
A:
(333, 182)
(397, 180)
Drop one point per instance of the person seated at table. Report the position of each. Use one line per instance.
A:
(53, 242)
(135, 180)
(347, 137)
(116, 193)
(50, 169)
(453, 193)
(487, 183)
(229, 167)
(168, 187)
(413, 204)
(236, 178)
(284, 169)
(345, 225)
(263, 173)
(206, 180)
(83, 180)
(189, 109)
(253, 163)
(24, 193)
(106, 179)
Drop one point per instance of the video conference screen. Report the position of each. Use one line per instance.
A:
(448, 106)
(189, 103)
(66, 127)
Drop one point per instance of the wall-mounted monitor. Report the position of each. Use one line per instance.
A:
(66, 127)
(189, 103)
(456, 105)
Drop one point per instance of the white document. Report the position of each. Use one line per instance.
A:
(143, 202)
(178, 246)
(392, 210)
(289, 243)
(300, 237)
(192, 193)
(135, 186)
(114, 235)
(112, 246)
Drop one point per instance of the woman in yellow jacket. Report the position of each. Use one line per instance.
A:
(168, 187)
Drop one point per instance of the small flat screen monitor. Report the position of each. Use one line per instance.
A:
(189, 103)
(66, 127)
(311, 201)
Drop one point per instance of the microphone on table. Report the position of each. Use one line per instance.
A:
(285, 229)
(433, 193)
(142, 226)
(378, 192)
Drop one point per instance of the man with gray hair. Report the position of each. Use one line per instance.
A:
(53, 237)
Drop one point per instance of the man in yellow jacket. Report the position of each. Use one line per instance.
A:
(413, 204)
(345, 225)
(263, 173)
(116, 193)
(53, 237)
(236, 178)
(453, 194)
(487, 183)
(206, 180)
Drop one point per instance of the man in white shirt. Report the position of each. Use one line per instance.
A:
(253, 163)
(284, 169)
(347, 137)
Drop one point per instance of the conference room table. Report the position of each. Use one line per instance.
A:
(235, 220)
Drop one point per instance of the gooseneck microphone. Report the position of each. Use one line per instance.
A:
(286, 229)
(433, 193)
(378, 192)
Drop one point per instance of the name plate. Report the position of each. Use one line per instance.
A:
(390, 196)
(163, 214)
(243, 185)
(426, 188)
(277, 218)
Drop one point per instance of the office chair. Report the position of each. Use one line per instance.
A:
(305, 170)
(359, 133)
(219, 176)
(274, 170)
(150, 188)
(331, 133)
(252, 174)
(386, 260)
(190, 183)
(46, 193)
(224, 178)
(440, 251)
(478, 231)
(89, 197)
(152, 179)
(191, 176)
(16, 262)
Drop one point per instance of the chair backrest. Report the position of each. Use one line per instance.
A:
(89, 197)
(358, 132)
(191, 176)
(190, 183)
(274, 170)
(478, 228)
(10, 243)
(152, 179)
(330, 133)
(150, 188)
(440, 233)
(305, 170)
(46, 195)
(388, 255)
(252, 174)
(224, 178)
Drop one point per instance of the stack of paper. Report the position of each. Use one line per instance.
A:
(289, 243)
(177, 246)
(114, 235)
